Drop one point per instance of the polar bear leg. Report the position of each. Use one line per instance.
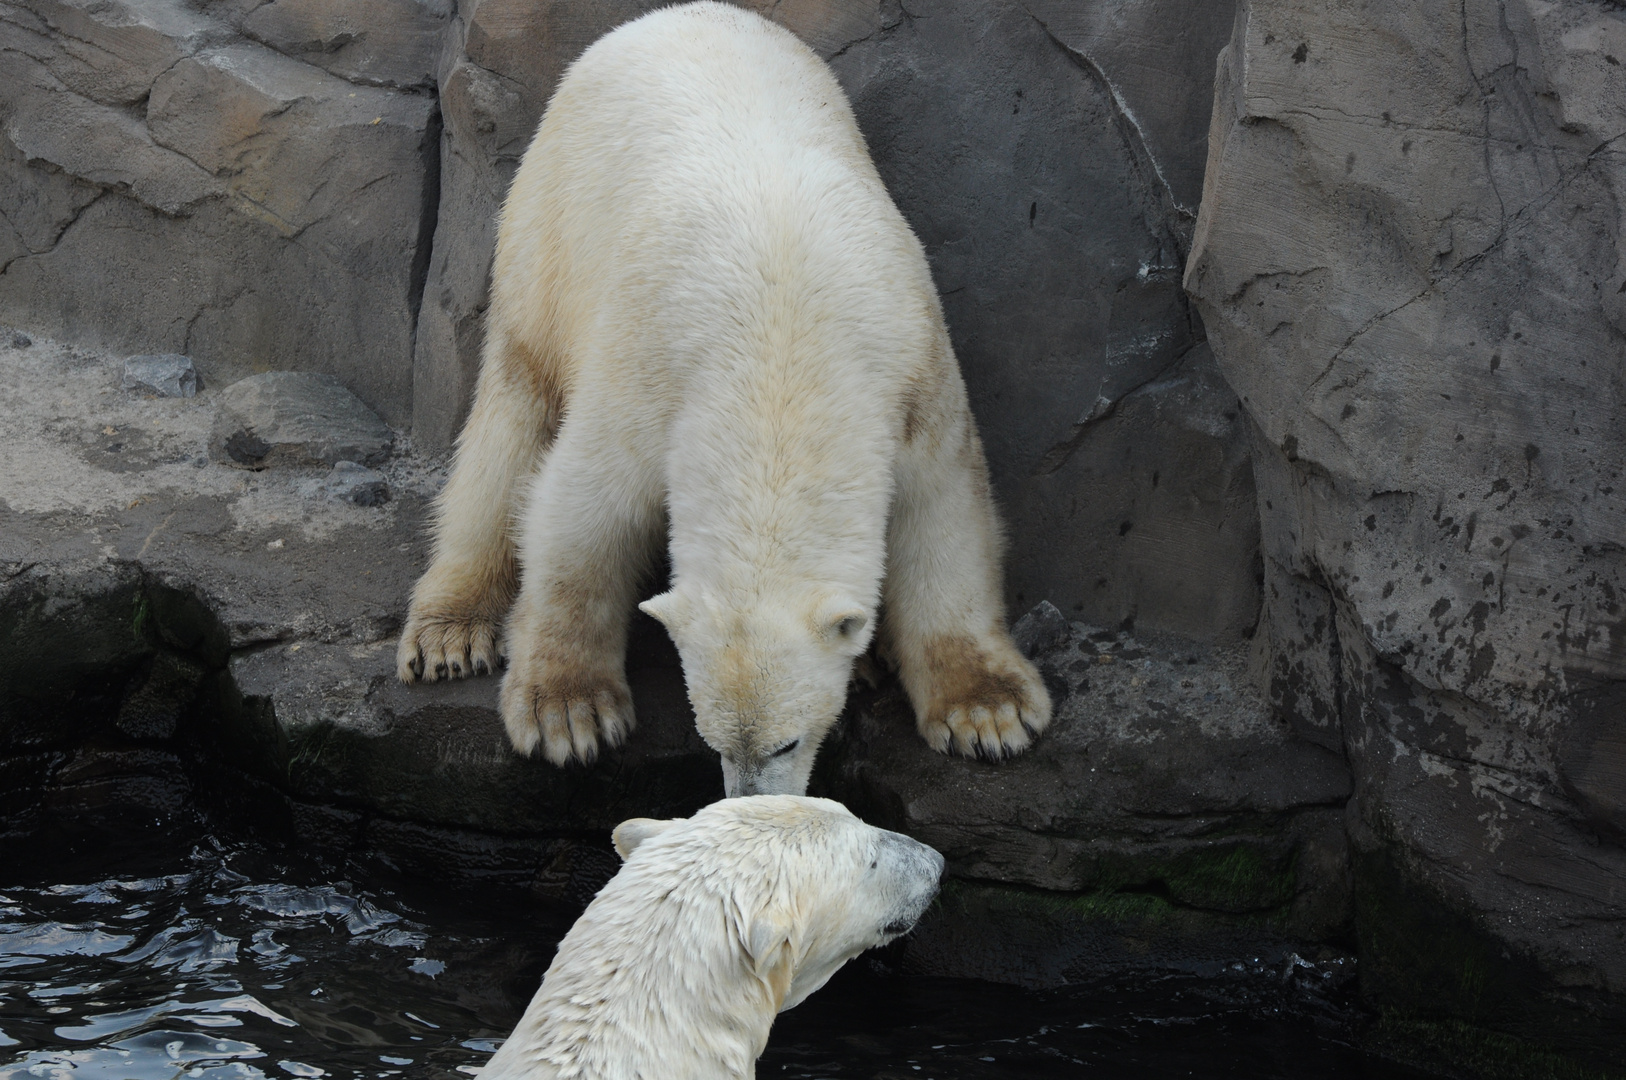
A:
(972, 691)
(593, 518)
(453, 626)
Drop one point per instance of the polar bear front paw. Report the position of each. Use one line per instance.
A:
(982, 698)
(437, 646)
(566, 715)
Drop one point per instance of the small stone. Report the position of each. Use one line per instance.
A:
(295, 418)
(20, 340)
(1042, 630)
(164, 374)
(357, 484)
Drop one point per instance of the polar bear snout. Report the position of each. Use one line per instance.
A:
(917, 871)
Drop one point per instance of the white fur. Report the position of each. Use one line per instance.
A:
(707, 312)
(714, 925)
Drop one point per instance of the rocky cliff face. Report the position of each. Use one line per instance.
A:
(1409, 263)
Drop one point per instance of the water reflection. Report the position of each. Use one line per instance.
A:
(246, 965)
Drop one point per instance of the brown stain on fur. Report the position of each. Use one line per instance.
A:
(923, 391)
(538, 366)
(964, 676)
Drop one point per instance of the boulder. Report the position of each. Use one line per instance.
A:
(353, 483)
(296, 418)
(1408, 260)
(166, 374)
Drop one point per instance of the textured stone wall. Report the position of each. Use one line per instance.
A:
(252, 185)
(1409, 263)
(295, 184)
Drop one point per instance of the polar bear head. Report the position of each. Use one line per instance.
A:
(714, 925)
(767, 681)
(806, 887)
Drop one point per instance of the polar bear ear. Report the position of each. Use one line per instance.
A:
(669, 609)
(634, 831)
(770, 945)
(843, 622)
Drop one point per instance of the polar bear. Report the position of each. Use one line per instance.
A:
(714, 925)
(707, 316)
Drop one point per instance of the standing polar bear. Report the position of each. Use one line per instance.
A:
(715, 924)
(707, 312)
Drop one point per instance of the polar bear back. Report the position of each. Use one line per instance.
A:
(698, 244)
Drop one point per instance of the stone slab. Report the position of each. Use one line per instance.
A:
(295, 418)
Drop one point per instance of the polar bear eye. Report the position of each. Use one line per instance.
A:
(787, 748)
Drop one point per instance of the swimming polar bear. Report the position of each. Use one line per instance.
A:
(714, 925)
(707, 312)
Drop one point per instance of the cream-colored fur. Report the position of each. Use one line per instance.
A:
(706, 313)
(714, 925)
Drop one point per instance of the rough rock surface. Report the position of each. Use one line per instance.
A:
(1165, 796)
(295, 418)
(172, 185)
(354, 483)
(1409, 261)
(166, 374)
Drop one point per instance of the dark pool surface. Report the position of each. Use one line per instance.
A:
(195, 958)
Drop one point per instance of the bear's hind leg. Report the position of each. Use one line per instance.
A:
(591, 523)
(943, 618)
(454, 625)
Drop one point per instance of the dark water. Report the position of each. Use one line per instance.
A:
(194, 958)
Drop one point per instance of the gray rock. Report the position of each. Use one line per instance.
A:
(357, 484)
(1148, 510)
(164, 374)
(377, 42)
(20, 340)
(108, 52)
(1042, 630)
(1057, 252)
(168, 186)
(1410, 267)
(295, 418)
(1162, 765)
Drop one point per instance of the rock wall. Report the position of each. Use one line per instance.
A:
(177, 179)
(288, 184)
(1409, 262)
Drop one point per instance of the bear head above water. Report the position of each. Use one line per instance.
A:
(714, 925)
